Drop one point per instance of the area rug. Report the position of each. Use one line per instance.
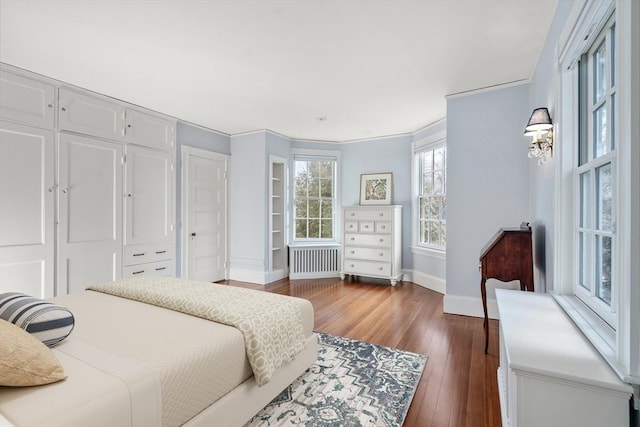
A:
(353, 383)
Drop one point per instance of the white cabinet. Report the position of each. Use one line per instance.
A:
(26, 209)
(27, 101)
(277, 224)
(151, 131)
(90, 115)
(549, 373)
(90, 206)
(372, 242)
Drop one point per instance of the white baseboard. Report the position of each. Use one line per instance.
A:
(251, 276)
(426, 280)
(469, 306)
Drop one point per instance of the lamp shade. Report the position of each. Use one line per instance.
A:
(539, 120)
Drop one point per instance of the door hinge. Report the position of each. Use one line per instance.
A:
(124, 159)
(226, 175)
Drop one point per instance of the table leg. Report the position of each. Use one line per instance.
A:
(483, 291)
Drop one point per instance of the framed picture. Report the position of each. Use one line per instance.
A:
(375, 188)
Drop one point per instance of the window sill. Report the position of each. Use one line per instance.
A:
(596, 330)
(433, 253)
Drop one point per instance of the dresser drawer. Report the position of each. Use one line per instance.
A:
(140, 254)
(351, 226)
(371, 254)
(162, 268)
(382, 240)
(368, 214)
(366, 268)
(383, 227)
(366, 226)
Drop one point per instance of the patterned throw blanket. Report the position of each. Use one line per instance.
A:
(271, 324)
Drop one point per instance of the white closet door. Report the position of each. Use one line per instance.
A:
(205, 211)
(26, 210)
(149, 196)
(90, 205)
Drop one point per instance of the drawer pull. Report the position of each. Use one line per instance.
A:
(352, 265)
(161, 268)
(353, 238)
(381, 254)
(381, 240)
(353, 214)
(138, 272)
(381, 213)
(366, 226)
(353, 252)
(382, 227)
(142, 254)
(161, 252)
(380, 268)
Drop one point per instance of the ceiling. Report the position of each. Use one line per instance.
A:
(308, 69)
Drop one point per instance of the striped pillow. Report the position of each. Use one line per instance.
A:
(46, 321)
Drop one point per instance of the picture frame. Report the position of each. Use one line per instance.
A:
(376, 188)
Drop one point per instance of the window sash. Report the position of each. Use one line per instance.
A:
(317, 211)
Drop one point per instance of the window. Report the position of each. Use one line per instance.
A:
(595, 178)
(432, 197)
(596, 270)
(314, 197)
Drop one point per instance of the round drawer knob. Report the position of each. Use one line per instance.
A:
(380, 268)
(381, 240)
(353, 238)
(353, 252)
(381, 254)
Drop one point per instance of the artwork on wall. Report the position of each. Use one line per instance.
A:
(375, 188)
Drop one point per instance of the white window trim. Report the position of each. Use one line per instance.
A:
(432, 141)
(620, 348)
(337, 220)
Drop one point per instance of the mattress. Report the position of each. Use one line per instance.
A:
(196, 361)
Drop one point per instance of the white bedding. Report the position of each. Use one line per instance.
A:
(196, 361)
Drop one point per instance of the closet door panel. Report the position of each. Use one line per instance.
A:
(90, 115)
(152, 131)
(90, 205)
(148, 196)
(26, 100)
(26, 209)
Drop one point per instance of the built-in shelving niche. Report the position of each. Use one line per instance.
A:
(278, 219)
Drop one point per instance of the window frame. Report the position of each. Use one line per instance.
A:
(316, 155)
(435, 141)
(620, 347)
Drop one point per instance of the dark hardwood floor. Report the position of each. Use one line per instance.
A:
(458, 386)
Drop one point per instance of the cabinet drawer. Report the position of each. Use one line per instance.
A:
(161, 268)
(147, 253)
(383, 227)
(367, 253)
(367, 240)
(368, 215)
(367, 268)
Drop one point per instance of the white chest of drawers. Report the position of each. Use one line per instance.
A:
(372, 242)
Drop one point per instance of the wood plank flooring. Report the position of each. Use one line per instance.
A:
(458, 387)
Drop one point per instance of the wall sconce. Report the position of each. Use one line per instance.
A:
(539, 127)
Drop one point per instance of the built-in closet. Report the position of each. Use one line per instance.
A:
(86, 187)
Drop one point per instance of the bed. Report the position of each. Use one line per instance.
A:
(133, 363)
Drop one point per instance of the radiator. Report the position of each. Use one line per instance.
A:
(312, 262)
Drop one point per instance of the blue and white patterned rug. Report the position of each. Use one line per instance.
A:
(353, 383)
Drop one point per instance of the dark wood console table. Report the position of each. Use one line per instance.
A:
(506, 257)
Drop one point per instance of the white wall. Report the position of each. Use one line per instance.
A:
(488, 178)
(247, 208)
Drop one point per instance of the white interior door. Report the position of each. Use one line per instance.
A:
(90, 204)
(204, 213)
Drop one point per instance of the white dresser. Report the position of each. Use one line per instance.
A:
(372, 242)
(549, 374)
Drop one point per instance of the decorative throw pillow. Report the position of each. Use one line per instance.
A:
(24, 360)
(48, 322)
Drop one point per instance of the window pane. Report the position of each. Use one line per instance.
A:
(301, 228)
(427, 161)
(435, 208)
(613, 56)
(314, 229)
(438, 158)
(326, 209)
(326, 230)
(326, 170)
(434, 230)
(427, 183)
(584, 276)
(326, 188)
(603, 179)
(424, 232)
(438, 182)
(585, 193)
(314, 208)
(600, 73)
(600, 131)
(301, 208)
(603, 290)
